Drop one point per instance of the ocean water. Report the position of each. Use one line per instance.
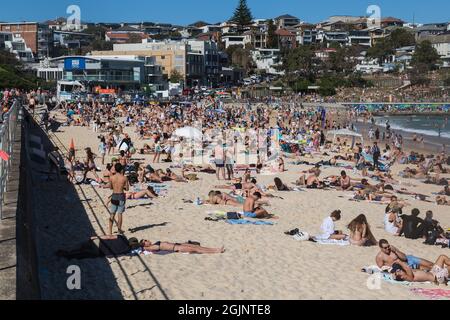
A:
(420, 124)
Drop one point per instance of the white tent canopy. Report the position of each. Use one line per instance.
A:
(347, 133)
(189, 133)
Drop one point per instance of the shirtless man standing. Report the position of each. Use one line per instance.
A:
(439, 273)
(119, 184)
(389, 255)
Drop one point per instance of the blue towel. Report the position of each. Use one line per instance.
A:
(243, 221)
(158, 186)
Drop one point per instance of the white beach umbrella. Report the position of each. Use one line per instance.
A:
(189, 133)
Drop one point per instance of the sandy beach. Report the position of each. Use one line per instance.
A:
(260, 262)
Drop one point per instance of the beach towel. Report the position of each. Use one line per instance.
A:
(138, 252)
(388, 277)
(432, 293)
(333, 242)
(244, 221)
(158, 186)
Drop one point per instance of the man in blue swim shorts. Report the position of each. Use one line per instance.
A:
(390, 255)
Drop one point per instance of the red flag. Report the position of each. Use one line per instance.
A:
(72, 145)
(4, 155)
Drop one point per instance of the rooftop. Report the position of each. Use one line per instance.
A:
(286, 16)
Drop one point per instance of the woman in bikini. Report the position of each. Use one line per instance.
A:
(89, 164)
(218, 198)
(178, 247)
(149, 193)
(360, 234)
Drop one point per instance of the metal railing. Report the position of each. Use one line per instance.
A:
(8, 129)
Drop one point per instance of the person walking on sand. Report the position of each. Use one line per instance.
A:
(119, 184)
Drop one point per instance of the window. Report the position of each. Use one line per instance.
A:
(163, 57)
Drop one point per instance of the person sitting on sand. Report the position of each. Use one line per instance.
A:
(389, 255)
(360, 233)
(439, 273)
(281, 167)
(178, 247)
(280, 186)
(313, 182)
(392, 223)
(345, 181)
(252, 210)
(328, 228)
(395, 204)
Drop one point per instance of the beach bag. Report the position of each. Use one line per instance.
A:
(302, 236)
(233, 216)
(432, 237)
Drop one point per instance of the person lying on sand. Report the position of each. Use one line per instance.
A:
(171, 175)
(445, 192)
(218, 198)
(439, 273)
(389, 255)
(178, 247)
(252, 210)
(442, 201)
(246, 188)
(413, 174)
(152, 176)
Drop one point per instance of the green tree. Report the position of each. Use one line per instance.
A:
(272, 39)
(425, 55)
(401, 38)
(418, 75)
(298, 62)
(301, 85)
(327, 87)
(241, 58)
(97, 31)
(176, 77)
(242, 15)
(101, 45)
(381, 50)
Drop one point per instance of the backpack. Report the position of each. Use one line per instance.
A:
(432, 237)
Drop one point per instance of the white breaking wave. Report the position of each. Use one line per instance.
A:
(433, 133)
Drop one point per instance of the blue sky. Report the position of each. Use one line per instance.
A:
(188, 11)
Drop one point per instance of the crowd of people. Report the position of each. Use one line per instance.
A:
(268, 134)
